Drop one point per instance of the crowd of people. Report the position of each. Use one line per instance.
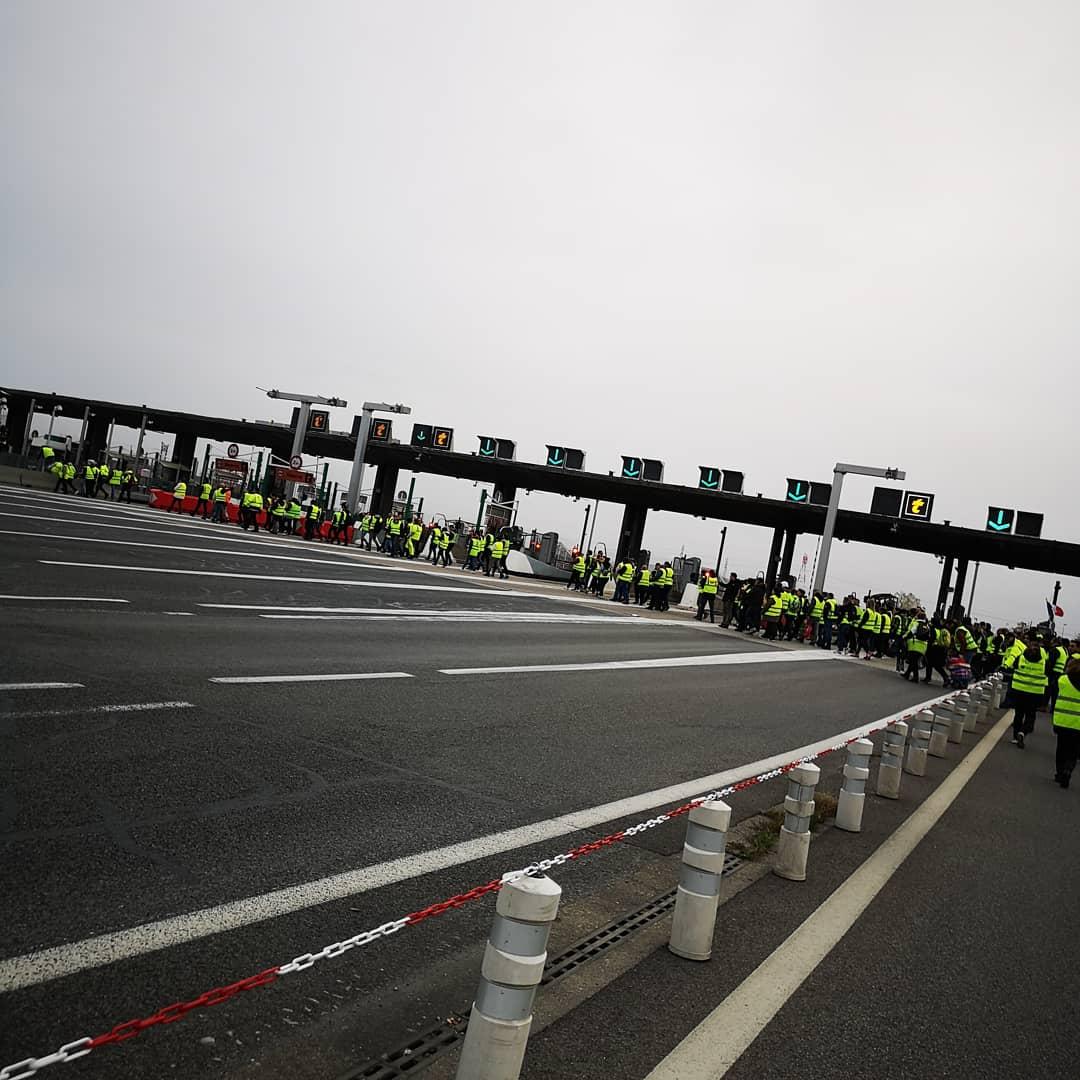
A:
(114, 482)
(590, 572)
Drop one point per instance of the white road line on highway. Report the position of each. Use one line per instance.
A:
(311, 678)
(490, 617)
(353, 582)
(709, 660)
(60, 960)
(319, 610)
(205, 551)
(42, 686)
(218, 534)
(710, 1050)
(67, 599)
(178, 613)
(143, 706)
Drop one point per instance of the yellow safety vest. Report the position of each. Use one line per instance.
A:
(1067, 708)
(776, 605)
(1029, 676)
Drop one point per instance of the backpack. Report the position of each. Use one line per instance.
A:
(923, 633)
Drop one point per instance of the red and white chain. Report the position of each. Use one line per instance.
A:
(21, 1070)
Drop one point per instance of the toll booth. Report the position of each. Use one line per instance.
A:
(230, 473)
(282, 479)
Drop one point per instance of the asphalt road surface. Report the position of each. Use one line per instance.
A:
(221, 750)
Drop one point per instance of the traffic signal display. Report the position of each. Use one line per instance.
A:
(918, 505)
(631, 468)
(379, 431)
(491, 447)
(820, 494)
(732, 482)
(421, 435)
(887, 501)
(442, 438)
(652, 470)
(565, 457)
(318, 421)
(999, 519)
(709, 478)
(798, 491)
(1028, 524)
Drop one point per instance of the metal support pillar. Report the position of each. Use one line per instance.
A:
(774, 556)
(789, 554)
(18, 413)
(382, 494)
(943, 589)
(956, 608)
(28, 427)
(97, 435)
(183, 451)
(142, 435)
(631, 532)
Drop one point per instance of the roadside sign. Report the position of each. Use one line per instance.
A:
(999, 519)
(918, 505)
(296, 461)
(233, 450)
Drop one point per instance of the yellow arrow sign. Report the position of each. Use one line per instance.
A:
(917, 505)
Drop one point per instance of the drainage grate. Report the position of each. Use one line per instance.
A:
(417, 1054)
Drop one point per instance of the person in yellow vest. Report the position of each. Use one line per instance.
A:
(48, 456)
(642, 584)
(292, 514)
(434, 537)
(476, 545)
(1067, 722)
(128, 481)
(624, 574)
(1059, 659)
(312, 520)
(179, 494)
(1029, 681)
(708, 586)
(203, 502)
(256, 507)
(447, 537)
(89, 479)
(69, 477)
(103, 477)
(116, 478)
(916, 642)
(577, 572)
(276, 522)
(221, 503)
(56, 467)
(412, 545)
(774, 608)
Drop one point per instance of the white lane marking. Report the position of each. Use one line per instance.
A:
(710, 1050)
(207, 551)
(291, 608)
(450, 616)
(42, 686)
(61, 960)
(356, 582)
(311, 678)
(145, 706)
(709, 660)
(343, 557)
(178, 613)
(67, 599)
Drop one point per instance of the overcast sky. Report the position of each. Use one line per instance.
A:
(762, 237)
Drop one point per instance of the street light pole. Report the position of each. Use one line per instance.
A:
(839, 472)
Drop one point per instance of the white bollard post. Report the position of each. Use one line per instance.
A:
(795, 832)
(966, 707)
(920, 741)
(514, 959)
(954, 716)
(998, 691)
(850, 802)
(698, 895)
(892, 760)
(939, 733)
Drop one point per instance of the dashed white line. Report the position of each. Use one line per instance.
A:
(66, 599)
(344, 677)
(144, 706)
(42, 686)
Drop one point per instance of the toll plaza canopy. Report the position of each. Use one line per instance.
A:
(509, 476)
